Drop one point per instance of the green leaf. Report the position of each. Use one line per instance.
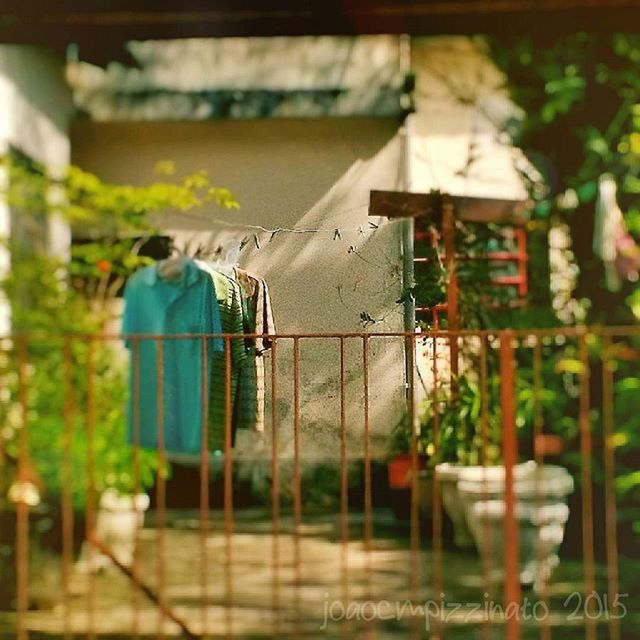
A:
(627, 482)
(587, 191)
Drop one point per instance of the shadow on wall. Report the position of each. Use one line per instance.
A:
(328, 281)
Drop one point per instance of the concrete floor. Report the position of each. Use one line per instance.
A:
(278, 601)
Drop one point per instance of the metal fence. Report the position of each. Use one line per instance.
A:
(586, 366)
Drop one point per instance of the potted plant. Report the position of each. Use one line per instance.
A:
(400, 467)
(471, 475)
(459, 445)
(540, 509)
(62, 451)
(121, 484)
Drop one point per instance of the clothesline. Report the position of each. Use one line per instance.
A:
(336, 232)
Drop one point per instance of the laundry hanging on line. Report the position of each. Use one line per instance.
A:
(184, 296)
(612, 242)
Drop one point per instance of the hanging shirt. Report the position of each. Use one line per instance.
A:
(259, 321)
(245, 411)
(229, 302)
(264, 324)
(264, 316)
(185, 305)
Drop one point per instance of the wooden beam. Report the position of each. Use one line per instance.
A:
(491, 210)
(401, 204)
(398, 204)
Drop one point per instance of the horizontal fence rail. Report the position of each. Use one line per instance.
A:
(493, 490)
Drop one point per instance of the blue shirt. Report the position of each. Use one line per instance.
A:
(157, 306)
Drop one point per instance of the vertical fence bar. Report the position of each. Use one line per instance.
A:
(204, 489)
(484, 434)
(135, 596)
(344, 496)
(538, 423)
(510, 456)
(4, 362)
(67, 484)
(437, 628)
(91, 489)
(135, 570)
(297, 492)
(228, 494)
(161, 495)
(22, 508)
(414, 555)
(521, 237)
(275, 494)
(609, 485)
(448, 232)
(586, 449)
(368, 507)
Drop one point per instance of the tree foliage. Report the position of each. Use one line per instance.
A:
(581, 99)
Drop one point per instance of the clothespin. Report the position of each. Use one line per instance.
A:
(337, 234)
(256, 240)
(373, 225)
(361, 230)
(352, 249)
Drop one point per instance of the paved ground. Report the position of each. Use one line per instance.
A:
(306, 599)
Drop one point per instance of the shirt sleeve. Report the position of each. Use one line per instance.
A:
(238, 351)
(266, 322)
(213, 315)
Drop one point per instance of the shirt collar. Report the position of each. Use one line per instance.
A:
(190, 274)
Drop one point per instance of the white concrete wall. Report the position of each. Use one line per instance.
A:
(459, 135)
(35, 108)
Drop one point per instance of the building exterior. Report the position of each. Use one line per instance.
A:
(300, 130)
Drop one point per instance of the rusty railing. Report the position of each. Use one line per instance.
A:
(333, 399)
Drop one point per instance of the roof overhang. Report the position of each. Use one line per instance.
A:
(100, 27)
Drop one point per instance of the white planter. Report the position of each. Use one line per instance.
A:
(448, 473)
(540, 509)
(118, 520)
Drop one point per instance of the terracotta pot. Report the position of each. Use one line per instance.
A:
(399, 470)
